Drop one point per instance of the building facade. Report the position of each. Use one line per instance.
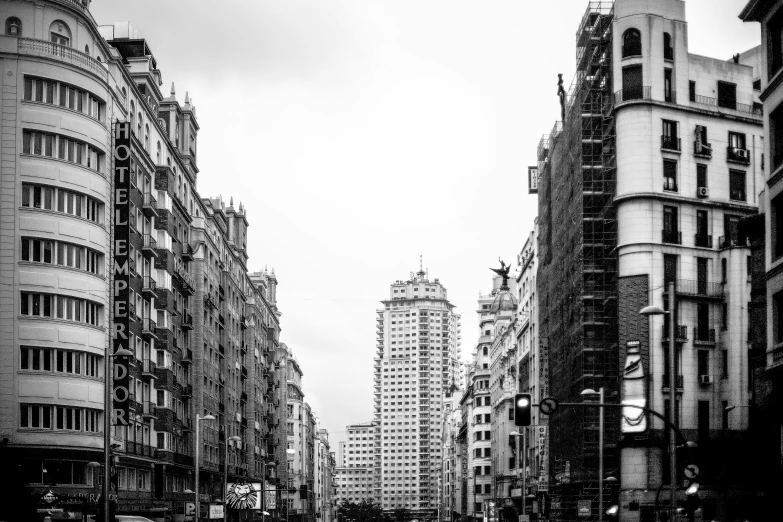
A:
(417, 360)
(202, 332)
(355, 469)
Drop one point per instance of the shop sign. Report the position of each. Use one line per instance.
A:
(120, 415)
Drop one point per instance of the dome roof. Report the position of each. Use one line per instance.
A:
(504, 302)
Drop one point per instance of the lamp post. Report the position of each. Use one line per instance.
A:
(600, 449)
(522, 465)
(108, 370)
(235, 438)
(654, 310)
(197, 463)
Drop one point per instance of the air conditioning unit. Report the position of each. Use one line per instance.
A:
(741, 153)
(705, 379)
(703, 192)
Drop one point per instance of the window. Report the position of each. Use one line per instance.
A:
(668, 92)
(727, 95)
(731, 230)
(701, 175)
(668, 50)
(702, 362)
(703, 421)
(670, 175)
(736, 140)
(702, 226)
(776, 138)
(737, 185)
(692, 91)
(61, 200)
(13, 26)
(776, 224)
(724, 373)
(60, 253)
(632, 43)
(64, 148)
(65, 418)
(670, 225)
(632, 83)
(60, 307)
(775, 44)
(59, 33)
(669, 136)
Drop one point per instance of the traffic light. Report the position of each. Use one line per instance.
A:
(303, 491)
(523, 404)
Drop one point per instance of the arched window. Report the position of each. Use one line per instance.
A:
(13, 26)
(59, 33)
(138, 126)
(632, 43)
(87, 50)
(147, 137)
(157, 157)
(668, 50)
(133, 116)
(486, 351)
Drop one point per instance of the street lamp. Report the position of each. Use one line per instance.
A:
(198, 432)
(235, 438)
(600, 448)
(650, 311)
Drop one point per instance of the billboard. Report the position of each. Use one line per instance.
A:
(532, 180)
(243, 495)
(121, 274)
(633, 420)
(271, 497)
(543, 469)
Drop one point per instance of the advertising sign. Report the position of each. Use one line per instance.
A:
(216, 511)
(121, 276)
(271, 497)
(583, 508)
(532, 180)
(543, 447)
(633, 420)
(244, 495)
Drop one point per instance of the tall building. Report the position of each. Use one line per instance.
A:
(766, 236)
(417, 361)
(356, 465)
(451, 473)
(79, 254)
(644, 183)
(324, 475)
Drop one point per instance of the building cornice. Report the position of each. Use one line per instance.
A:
(673, 198)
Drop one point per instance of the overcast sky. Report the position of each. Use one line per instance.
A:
(360, 134)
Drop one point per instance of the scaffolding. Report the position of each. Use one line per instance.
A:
(578, 274)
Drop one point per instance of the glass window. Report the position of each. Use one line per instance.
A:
(737, 185)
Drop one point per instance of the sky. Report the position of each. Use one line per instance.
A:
(362, 134)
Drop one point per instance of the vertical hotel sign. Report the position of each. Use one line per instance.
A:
(121, 275)
(532, 180)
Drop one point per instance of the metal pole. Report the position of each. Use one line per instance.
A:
(672, 404)
(263, 489)
(107, 409)
(225, 473)
(524, 472)
(601, 456)
(198, 506)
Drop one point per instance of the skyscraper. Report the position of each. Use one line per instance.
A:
(416, 363)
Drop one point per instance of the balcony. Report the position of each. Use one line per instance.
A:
(187, 390)
(632, 93)
(150, 410)
(737, 155)
(665, 382)
(697, 288)
(187, 356)
(670, 143)
(149, 287)
(186, 321)
(187, 252)
(702, 150)
(148, 246)
(243, 322)
(148, 367)
(61, 53)
(731, 242)
(148, 328)
(680, 333)
(704, 336)
(150, 205)
(702, 240)
(673, 237)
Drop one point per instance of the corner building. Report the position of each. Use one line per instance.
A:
(417, 361)
(203, 332)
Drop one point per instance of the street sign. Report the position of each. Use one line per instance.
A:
(190, 509)
(691, 471)
(548, 406)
